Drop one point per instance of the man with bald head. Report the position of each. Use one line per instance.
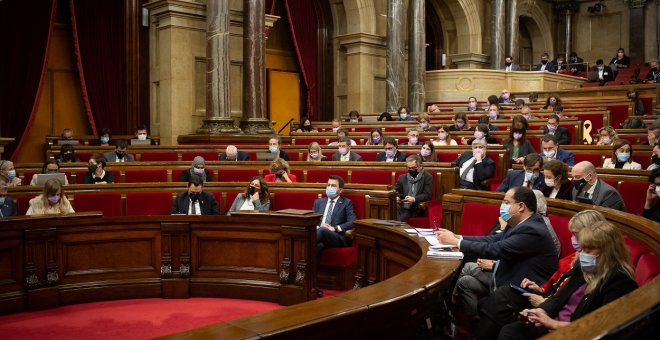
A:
(232, 154)
(589, 189)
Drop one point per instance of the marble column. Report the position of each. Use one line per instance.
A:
(513, 31)
(255, 119)
(636, 35)
(395, 56)
(497, 35)
(416, 56)
(218, 109)
(567, 9)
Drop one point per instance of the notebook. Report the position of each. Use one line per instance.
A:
(265, 156)
(136, 141)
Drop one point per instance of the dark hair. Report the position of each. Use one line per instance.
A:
(532, 159)
(433, 157)
(140, 127)
(548, 137)
(654, 174)
(100, 160)
(621, 50)
(552, 95)
(341, 129)
(344, 139)
(533, 96)
(519, 122)
(493, 100)
(508, 56)
(196, 181)
(599, 62)
(67, 147)
(403, 108)
(526, 196)
(573, 55)
(105, 131)
(518, 127)
(354, 113)
(483, 128)
(619, 143)
(545, 54)
(338, 179)
(483, 119)
(558, 168)
(372, 133)
(385, 116)
(558, 108)
(634, 123)
(554, 116)
(121, 144)
(264, 196)
(416, 158)
(519, 102)
(49, 162)
(390, 140)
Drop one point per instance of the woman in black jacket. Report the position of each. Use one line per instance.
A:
(517, 144)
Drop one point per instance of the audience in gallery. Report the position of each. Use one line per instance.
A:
(337, 216)
(105, 137)
(637, 104)
(602, 73)
(255, 197)
(655, 158)
(621, 60)
(461, 122)
(413, 188)
(575, 63)
(336, 124)
(444, 137)
(553, 128)
(50, 167)
(51, 201)
(427, 152)
(385, 116)
(560, 61)
(342, 132)
(375, 137)
(509, 65)
(480, 132)
(8, 174)
(344, 153)
(354, 117)
(590, 189)
(195, 201)
(404, 114)
(141, 133)
(606, 136)
(274, 147)
(506, 97)
(653, 136)
(67, 134)
(119, 155)
(306, 126)
(390, 153)
(546, 64)
(551, 150)
(517, 144)
(425, 123)
(557, 184)
(484, 119)
(500, 308)
(653, 76)
(413, 138)
(622, 157)
(652, 203)
(475, 167)
(530, 176)
(233, 154)
(552, 101)
(473, 105)
(198, 169)
(280, 172)
(315, 153)
(97, 173)
(7, 206)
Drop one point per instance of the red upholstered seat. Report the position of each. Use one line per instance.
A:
(176, 174)
(358, 204)
(293, 200)
(68, 176)
(84, 156)
(148, 203)
(372, 177)
(536, 142)
(595, 159)
(647, 268)
(478, 219)
(446, 156)
(23, 204)
(560, 225)
(368, 156)
(236, 175)
(208, 155)
(144, 176)
(642, 158)
(321, 175)
(611, 182)
(252, 155)
(637, 249)
(27, 177)
(161, 156)
(340, 257)
(634, 195)
(107, 202)
(309, 140)
(496, 159)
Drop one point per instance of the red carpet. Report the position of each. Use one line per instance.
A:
(127, 319)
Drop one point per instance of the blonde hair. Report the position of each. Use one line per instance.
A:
(315, 145)
(614, 255)
(278, 164)
(583, 219)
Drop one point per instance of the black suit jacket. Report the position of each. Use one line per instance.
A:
(240, 156)
(423, 194)
(343, 213)
(398, 156)
(550, 67)
(482, 171)
(207, 203)
(524, 251)
(352, 157)
(524, 149)
(565, 191)
(561, 133)
(8, 208)
(515, 178)
(605, 196)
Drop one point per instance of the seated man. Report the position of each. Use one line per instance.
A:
(476, 168)
(119, 155)
(142, 134)
(338, 216)
(274, 144)
(530, 176)
(412, 189)
(342, 132)
(232, 154)
(7, 206)
(653, 136)
(553, 128)
(391, 154)
(195, 201)
(413, 138)
(589, 189)
(67, 133)
(336, 124)
(602, 73)
(344, 153)
(551, 150)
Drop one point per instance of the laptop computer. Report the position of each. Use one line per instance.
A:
(43, 178)
(265, 156)
(136, 141)
(68, 141)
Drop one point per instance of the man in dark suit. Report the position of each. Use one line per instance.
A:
(195, 201)
(412, 189)
(530, 177)
(7, 206)
(413, 138)
(551, 150)
(344, 154)
(575, 63)
(476, 168)
(509, 65)
(653, 135)
(232, 154)
(119, 155)
(546, 64)
(589, 189)
(391, 154)
(602, 73)
(553, 128)
(524, 249)
(338, 216)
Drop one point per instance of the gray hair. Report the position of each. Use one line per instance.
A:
(4, 164)
(415, 158)
(481, 141)
(542, 209)
(3, 186)
(231, 149)
(197, 161)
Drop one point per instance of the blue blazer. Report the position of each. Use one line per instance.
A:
(550, 67)
(524, 251)
(515, 178)
(8, 208)
(562, 155)
(343, 213)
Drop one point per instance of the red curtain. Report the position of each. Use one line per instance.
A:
(303, 24)
(99, 42)
(26, 28)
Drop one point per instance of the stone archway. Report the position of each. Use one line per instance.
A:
(538, 27)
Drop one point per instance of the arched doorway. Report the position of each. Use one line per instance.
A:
(526, 52)
(434, 39)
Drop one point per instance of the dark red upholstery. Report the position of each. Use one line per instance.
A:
(643, 159)
(634, 195)
(144, 176)
(308, 140)
(358, 204)
(611, 182)
(208, 155)
(446, 156)
(27, 177)
(637, 249)
(560, 225)
(293, 200)
(252, 155)
(340, 257)
(176, 174)
(161, 156)
(321, 175)
(647, 268)
(478, 219)
(372, 177)
(148, 203)
(84, 156)
(68, 176)
(595, 159)
(618, 115)
(368, 156)
(536, 142)
(23, 204)
(495, 157)
(107, 202)
(237, 175)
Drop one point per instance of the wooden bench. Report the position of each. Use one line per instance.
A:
(94, 140)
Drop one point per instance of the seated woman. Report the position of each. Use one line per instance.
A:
(67, 154)
(425, 123)
(306, 126)
(50, 167)
(428, 152)
(651, 209)
(8, 174)
(375, 137)
(255, 197)
(637, 104)
(444, 137)
(557, 184)
(473, 104)
(552, 101)
(97, 173)
(606, 276)
(315, 153)
(517, 143)
(621, 156)
(105, 136)
(480, 132)
(606, 136)
(51, 201)
(198, 169)
(461, 122)
(279, 172)
(404, 114)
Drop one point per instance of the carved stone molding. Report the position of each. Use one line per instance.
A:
(300, 274)
(217, 125)
(256, 126)
(285, 270)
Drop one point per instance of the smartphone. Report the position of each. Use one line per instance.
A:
(401, 196)
(520, 289)
(523, 318)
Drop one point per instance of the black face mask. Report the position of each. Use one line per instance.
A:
(307, 127)
(251, 190)
(194, 196)
(580, 184)
(279, 175)
(507, 64)
(92, 167)
(67, 156)
(544, 62)
(413, 173)
(656, 159)
(120, 155)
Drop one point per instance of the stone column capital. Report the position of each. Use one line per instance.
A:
(179, 7)
(632, 4)
(567, 7)
(362, 43)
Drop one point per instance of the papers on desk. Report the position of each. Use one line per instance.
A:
(436, 254)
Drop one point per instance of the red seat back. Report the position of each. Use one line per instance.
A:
(293, 200)
(478, 219)
(637, 249)
(372, 177)
(496, 159)
(321, 175)
(236, 175)
(647, 268)
(208, 155)
(595, 159)
(161, 156)
(107, 202)
(560, 226)
(22, 204)
(643, 159)
(144, 176)
(368, 156)
(358, 204)
(148, 203)
(446, 156)
(634, 195)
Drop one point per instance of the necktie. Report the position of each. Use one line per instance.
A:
(193, 208)
(328, 216)
(465, 173)
(527, 184)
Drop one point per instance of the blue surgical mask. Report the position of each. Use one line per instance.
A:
(403, 115)
(623, 157)
(575, 244)
(531, 176)
(272, 149)
(330, 191)
(105, 139)
(2, 200)
(587, 262)
(504, 212)
(11, 174)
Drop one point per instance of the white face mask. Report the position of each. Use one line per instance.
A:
(549, 183)
(142, 137)
(657, 190)
(549, 153)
